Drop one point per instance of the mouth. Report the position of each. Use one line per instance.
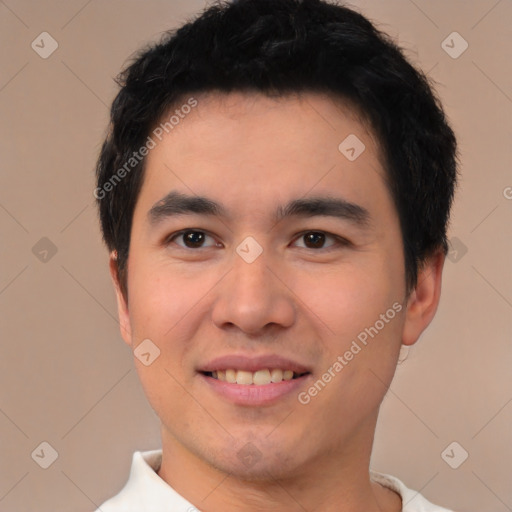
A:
(253, 381)
(262, 377)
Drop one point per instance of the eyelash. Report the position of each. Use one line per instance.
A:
(340, 241)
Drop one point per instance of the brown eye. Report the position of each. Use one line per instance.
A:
(316, 240)
(192, 239)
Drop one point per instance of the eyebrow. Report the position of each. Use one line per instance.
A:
(176, 203)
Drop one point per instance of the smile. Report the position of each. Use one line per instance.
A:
(258, 378)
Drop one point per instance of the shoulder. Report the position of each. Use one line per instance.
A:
(145, 490)
(412, 501)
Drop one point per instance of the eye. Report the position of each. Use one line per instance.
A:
(192, 239)
(316, 239)
(195, 238)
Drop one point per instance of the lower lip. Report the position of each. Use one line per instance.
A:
(252, 394)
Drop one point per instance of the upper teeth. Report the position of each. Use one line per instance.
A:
(259, 377)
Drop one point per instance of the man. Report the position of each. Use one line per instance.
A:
(274, 189)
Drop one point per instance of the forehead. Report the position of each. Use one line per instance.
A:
(252, 147)
(223, 112)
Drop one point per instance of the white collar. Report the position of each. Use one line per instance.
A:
(146, 491)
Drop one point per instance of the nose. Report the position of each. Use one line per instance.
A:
(254, 298)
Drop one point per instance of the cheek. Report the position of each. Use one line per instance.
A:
(161, 297)
(361, 345)
(161, 308)
(167, 396)
(168, 306)
(346, 300)
(359, 311)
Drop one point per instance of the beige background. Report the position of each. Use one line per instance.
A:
(66, 376)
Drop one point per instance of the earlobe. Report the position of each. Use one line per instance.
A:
(424, 299)
(122, 306)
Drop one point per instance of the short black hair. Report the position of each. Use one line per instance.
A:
(277, 48)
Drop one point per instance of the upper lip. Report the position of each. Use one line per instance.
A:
(253, 363)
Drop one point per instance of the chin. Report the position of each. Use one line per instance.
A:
(258, 461)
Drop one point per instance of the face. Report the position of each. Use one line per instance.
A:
(297, 267)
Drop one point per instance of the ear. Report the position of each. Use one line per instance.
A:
(122, 306)
(424, 299)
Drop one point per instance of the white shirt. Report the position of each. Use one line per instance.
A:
(145, 491)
